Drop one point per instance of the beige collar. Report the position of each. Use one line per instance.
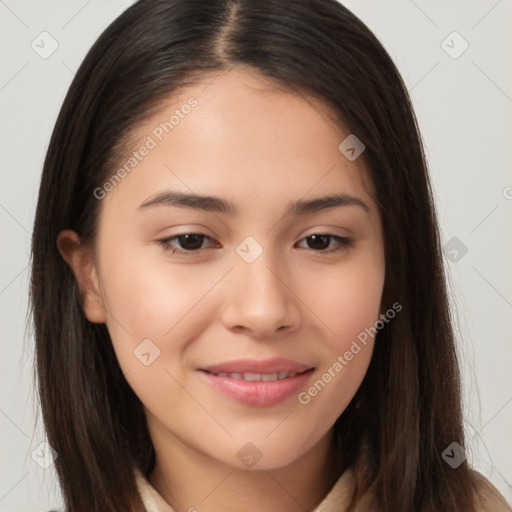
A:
(487, 499)
(337, 499)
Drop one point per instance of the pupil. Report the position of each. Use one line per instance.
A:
(319, 241)
(191, 241)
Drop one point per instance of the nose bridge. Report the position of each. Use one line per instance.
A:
(259, 298)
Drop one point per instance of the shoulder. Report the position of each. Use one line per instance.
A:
(487, 497)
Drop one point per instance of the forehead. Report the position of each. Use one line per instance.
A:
(236, 133)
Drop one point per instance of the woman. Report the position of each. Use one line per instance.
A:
(237, 287)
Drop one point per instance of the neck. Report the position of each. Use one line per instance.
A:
(190, 481)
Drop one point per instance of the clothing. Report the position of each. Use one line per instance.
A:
(338, 499)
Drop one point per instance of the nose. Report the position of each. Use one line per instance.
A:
(260, 300)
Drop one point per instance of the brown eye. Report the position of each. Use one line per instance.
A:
(320, 242)
(186, 243)
(191, 242)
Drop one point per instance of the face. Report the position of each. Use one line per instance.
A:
(238, 317)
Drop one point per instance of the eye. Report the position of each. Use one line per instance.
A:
(319, 242)
(192, 243)
(189, 243)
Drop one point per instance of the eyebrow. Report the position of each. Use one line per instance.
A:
(218, 205)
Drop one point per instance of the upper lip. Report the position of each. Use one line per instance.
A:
(274, 365)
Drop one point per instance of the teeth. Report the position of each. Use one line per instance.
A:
(253, 377)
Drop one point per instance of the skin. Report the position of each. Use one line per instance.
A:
(261, 149)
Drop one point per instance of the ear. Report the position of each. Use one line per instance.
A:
(81, 261)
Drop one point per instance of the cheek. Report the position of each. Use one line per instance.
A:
(153, 315)
(347, 300)
(149, 302)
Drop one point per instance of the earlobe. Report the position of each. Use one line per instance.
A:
(80, 260)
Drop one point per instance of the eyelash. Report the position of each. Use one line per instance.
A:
(345, 244)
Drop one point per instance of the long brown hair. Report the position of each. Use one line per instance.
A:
(407, 410)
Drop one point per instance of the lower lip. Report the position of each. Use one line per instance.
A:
(258, 393)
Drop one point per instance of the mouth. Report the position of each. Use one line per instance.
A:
(277, 365)
(257, 377)
(258, 383)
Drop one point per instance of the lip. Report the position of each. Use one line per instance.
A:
(257, 393)
(277, 364)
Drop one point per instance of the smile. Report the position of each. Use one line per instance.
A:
(257, 383)
(253, 377)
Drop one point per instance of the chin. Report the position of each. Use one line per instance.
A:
(264, 454)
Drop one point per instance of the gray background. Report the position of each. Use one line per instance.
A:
(464, 105)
